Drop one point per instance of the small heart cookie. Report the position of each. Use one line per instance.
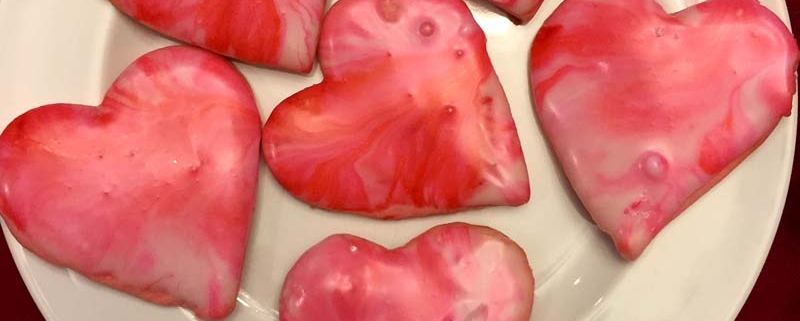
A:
(523, 10)
(452, 272)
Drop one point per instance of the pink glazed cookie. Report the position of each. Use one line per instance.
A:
(410, 120)
(452, 272)
(647, 111)
(276, 33)
(153, 191)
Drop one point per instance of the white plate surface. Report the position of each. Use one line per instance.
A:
(701, 267)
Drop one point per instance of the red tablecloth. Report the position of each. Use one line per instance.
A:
(776, 296)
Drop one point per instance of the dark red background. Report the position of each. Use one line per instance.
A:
(776, 295)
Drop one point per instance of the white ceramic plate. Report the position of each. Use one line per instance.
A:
(701, 267)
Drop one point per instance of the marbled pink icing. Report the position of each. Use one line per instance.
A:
(153, 191)
(453, 272)
(410, 119)
(276, 33)
(646, 111)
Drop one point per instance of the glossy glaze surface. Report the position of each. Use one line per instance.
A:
(410, 119)
(153, 191)
(646, 111)
(452, 272)
(274, 33)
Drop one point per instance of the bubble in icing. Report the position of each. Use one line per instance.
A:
(427, 28)
(467, 30)
(389, 10)
(449, 110)
(654, 165)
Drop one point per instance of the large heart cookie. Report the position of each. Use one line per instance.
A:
(410, 119)
(647, 111)
(153, 191)
(274, 33)
(452, 272)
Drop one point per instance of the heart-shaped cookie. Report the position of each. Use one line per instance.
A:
(275, 33)
(152, 192)
(452, 272)
(410, 119)
(646, 111)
